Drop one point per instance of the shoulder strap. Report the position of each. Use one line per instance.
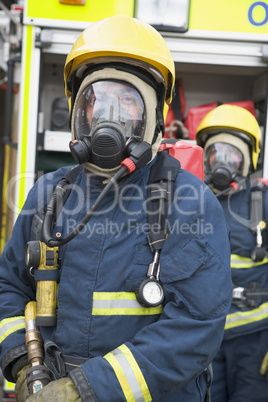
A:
(72, 174)
(159, 196)
(37, 222)
(256, 205)
(69, 179)
(258, 219)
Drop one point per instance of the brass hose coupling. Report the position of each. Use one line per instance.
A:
(38, 375)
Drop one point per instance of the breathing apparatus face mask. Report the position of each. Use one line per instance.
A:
(223, 162)
(110, 115)
(226, 160)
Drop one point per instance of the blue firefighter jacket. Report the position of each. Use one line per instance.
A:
(245, 319)
(134, 352)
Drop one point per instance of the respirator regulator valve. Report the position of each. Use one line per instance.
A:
(80, 150)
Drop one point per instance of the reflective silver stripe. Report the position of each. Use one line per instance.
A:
(10, 325)
(130, 376)
(245, 262)
(247, 317)
(116, 304)
(120, 303)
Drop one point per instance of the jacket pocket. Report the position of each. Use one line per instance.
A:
(183, 261)
(143, 255)
(133, 283)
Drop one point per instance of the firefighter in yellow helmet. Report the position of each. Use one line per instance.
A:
(140, 313)
(111, 72)
(230, 136)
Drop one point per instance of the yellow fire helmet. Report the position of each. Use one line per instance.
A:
(234, 120)
(118, 39)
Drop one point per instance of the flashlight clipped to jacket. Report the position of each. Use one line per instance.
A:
(44, 261)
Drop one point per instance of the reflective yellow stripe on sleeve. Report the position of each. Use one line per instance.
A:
(246, 317)
(129, 375)
(120, 303)
(10, 325)
(8, 386)
(245, 262)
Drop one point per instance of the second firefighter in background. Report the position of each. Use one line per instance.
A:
(231, 139)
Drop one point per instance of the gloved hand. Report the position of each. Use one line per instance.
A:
(264, 366)
(21, 389)
(62, 390)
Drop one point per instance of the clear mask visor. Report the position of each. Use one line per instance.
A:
(109, 101)
(222, 154)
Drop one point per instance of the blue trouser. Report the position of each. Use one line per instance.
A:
(236, 370)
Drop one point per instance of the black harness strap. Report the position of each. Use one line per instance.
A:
(46, 275)
(256, 205)
(258, 221)
(66, 183)
(159, 197)
(58, 363)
